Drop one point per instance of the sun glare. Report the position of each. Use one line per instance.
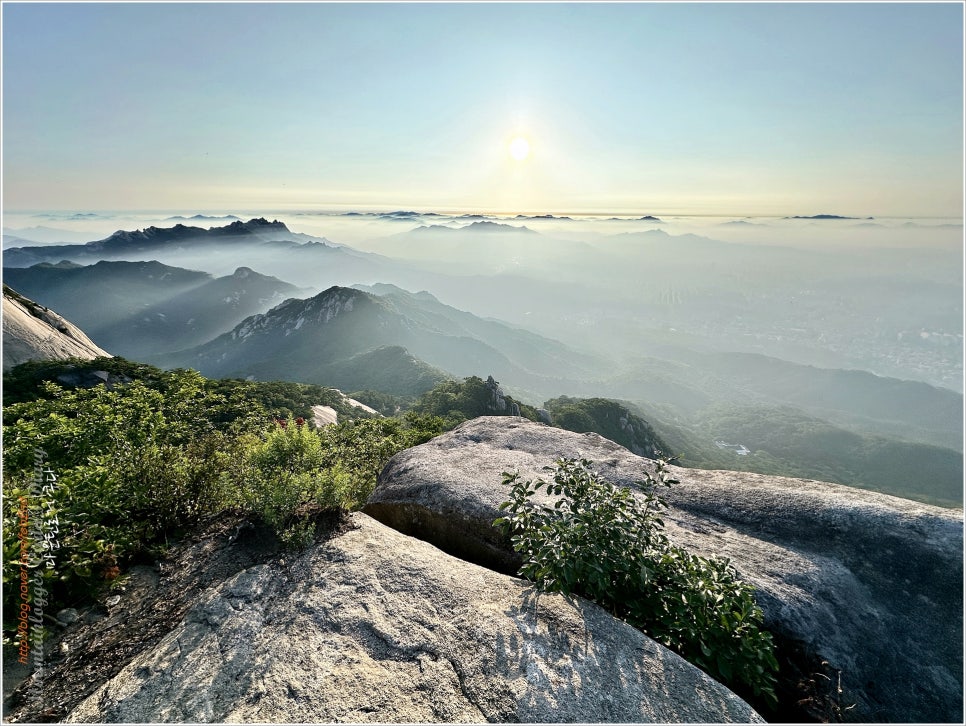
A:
(519, 148)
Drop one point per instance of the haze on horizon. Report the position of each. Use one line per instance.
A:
(737, 109)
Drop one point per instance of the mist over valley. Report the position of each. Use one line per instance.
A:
(483, 362)
(821, 331)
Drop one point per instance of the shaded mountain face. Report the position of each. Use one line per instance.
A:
(33, 332)
(141, 309)
(105, 293)
(309, 339)
(611, 420)
(269, 247)
(390, 368)
(322, 339)
(534, 355)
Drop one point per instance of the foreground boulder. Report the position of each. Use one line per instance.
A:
(374, 626)
(868, 582)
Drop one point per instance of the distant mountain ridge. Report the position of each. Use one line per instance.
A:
(693, 381)
(267, 246)
(203, 218)
(481, 226)
(149, 238)
(307, 340)
(141, 309)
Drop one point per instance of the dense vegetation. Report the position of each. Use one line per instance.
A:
(599, 541)
(277, 399)
(141, 461)
(456, 402)
(786, 442)
(610, 419)
(142, 455)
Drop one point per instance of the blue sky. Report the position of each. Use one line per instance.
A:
(687, 108)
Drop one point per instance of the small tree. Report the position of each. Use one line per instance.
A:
(601, 542)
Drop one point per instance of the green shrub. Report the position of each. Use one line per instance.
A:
(599, 541)
(144, 461)
(284, 479)
(293, 471)
(134, 465)
(456, 402)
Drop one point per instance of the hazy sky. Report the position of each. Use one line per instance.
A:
(853, 109)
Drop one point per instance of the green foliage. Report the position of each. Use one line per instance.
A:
(603, 543)
(152, 452)
(284, 399)
(283, 479)
(292, 472)
(133, 465)
(455, 402)
(25, 382)
(274, 399)
(784, 441)
(610, 419)
(385, 403)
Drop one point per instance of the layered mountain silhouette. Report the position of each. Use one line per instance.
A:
(269, 247)
(123, 242)
(141, 309)
(713, 336)
(483, 247)
(327, 337)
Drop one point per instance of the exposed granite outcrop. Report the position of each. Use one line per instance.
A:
(32, 332)
(375, 626)
(871, 583)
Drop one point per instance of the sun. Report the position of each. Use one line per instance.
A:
(519, 148)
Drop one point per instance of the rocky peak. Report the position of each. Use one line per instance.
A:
(498, 402)
(294, 313)
(256, 225)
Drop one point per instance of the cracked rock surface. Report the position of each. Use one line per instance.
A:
(374, 626)
(870, 583)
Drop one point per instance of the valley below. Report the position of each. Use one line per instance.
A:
(820, 352)
(258, 431)
(483, 362)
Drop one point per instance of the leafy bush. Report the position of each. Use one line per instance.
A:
(599, 541)
(148, 456)
(610, 419)
(456, 402)
(25, 382)
(283, 479)
(134, 465)
(293, 471)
